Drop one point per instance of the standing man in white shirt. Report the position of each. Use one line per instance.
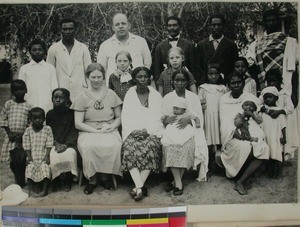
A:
(39, 76)
(123, 40)
(70, 58)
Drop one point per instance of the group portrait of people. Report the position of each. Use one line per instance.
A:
(190, 106)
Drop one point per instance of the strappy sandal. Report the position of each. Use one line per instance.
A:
(170, 187)
(178, 191)
(132, 193)
(139, 195)
(89, 189)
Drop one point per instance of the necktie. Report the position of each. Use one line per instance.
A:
(215, 43)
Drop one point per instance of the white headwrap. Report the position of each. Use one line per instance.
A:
(272, 89)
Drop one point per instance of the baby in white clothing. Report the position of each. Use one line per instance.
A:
(175, 135)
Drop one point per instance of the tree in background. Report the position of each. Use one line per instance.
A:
(21, 23)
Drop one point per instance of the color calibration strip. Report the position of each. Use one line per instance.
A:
(143, 217)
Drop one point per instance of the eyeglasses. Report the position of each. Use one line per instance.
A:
(98, 105)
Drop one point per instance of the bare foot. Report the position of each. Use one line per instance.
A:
(42, 194)
(33, 195)
(240, 189)
(68, 188)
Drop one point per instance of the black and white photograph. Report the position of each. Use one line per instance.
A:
(149, 103)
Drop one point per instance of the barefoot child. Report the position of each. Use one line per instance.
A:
(14, 118)
(120, 81)
(39, 76)
(176, 60)
(209, 94)
(275, 130)
(37, 142)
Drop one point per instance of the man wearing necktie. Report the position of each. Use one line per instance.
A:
(215, 49)
(173, 25)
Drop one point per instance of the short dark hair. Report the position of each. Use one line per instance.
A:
(242, 59)
(174, 18)
(138, 69)
(17, 83)
(37, 41)
(66, 94)
(36, 110)
(271, 12)
(234, 74)
(220, 16)
(217, 67)
(181, 71)
(68, 20)
(274, 74)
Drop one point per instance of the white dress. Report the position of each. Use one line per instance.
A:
(193, 107)
(212, 94)
(173, 135)
(272, 128)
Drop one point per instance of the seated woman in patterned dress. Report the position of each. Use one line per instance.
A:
(141, 131)
(194, 151)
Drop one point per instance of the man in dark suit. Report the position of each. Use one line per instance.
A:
(215, 49)
(174, 39)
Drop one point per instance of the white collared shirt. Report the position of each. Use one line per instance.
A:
(135, 45)
(40, 79)
(70, 67)
(174, 43)
(216, 42)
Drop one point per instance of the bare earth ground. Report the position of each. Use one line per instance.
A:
(217, 190)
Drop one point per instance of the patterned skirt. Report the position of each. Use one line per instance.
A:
(179, 156)
(142, 154)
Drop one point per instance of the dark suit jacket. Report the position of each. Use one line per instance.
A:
(161, 55)
(224, 55)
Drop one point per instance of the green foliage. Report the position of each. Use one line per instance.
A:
(21, 23)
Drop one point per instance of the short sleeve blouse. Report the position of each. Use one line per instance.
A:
(93, 117)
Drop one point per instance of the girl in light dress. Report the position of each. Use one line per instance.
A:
(209, 95)
(37, 142)
(176, 61)
(275, 130)
(274, 78)
(120, 81)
